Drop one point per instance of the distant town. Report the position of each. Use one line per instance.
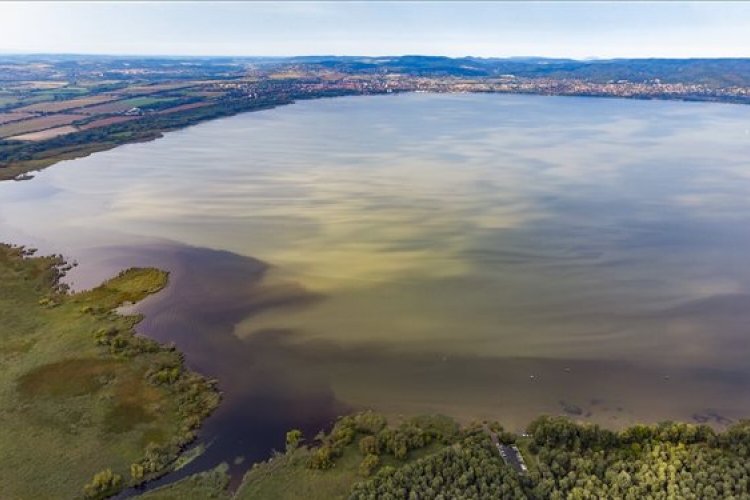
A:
(653, 89)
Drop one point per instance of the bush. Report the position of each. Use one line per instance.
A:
(369, 463)
(104, 484)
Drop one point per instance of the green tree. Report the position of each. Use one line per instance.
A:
(369, 445)
(368, 464)
(103, 484)
(293, 439)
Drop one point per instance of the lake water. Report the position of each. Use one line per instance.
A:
(485, 256)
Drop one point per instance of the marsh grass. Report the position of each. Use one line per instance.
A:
(203, 486)
(77, 392)
(68, 378)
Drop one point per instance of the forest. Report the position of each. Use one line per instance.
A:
(580, 461)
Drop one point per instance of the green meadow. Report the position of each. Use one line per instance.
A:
(207, 485)
(86, 406)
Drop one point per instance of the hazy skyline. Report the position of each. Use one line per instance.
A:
(485, 29)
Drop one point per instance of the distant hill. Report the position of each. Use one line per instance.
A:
(713, 72)
(720, 72)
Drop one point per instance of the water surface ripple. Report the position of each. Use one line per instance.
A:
(480, 255)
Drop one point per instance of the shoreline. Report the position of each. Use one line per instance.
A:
(50, 370)
(22, 171)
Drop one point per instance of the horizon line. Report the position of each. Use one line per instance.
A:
(339, 56)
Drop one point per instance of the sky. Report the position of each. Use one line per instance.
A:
(485, 29)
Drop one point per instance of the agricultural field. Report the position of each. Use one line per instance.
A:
(14, 117)
(122, 105)
(83, 401)
(159, 87)
(184, 107)
(24, 99)
(35, 124)
(44, 84)
(21, 94)
(45, 134)
(62, 92)
(286, 75)
(210, 94)
(8, 99)
(57, 106)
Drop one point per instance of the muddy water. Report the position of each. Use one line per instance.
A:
(209, 293)
(483, 256)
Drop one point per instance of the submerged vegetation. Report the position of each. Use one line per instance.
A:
(432, 458)
(88, 407)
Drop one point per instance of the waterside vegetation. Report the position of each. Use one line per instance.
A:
(432, 457)
(87, 407)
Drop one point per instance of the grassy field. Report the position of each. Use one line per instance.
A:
(57, 106)
(79, 392)
(159, 87)
(211, 94)
(288, 476)
(45, 134)
(13, 117)
(295, 474)
(7, 99)
(123, 105)
(204, 486)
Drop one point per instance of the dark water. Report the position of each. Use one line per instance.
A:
(209, 292)
(482, 256)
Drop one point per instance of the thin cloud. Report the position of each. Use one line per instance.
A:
(557, 29)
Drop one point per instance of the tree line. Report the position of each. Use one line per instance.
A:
(567, 460)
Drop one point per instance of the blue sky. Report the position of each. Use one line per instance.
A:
(552, 29)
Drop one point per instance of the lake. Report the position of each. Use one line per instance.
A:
(484, 256)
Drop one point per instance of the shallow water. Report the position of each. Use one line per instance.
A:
(482, 255)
